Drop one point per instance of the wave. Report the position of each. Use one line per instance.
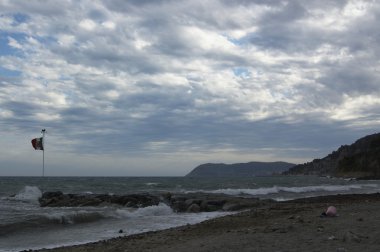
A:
(71, 216)
(152, 184)
(28, 194)
(45, 220)
(81, 216)
(159, 210)
(282, 189)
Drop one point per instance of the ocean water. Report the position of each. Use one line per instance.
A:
(25, 225)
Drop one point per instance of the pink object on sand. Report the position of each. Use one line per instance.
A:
(331, 211)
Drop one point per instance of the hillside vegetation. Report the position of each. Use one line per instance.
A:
(240, 170)
(359, 160)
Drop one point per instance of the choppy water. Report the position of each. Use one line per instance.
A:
(25, 225)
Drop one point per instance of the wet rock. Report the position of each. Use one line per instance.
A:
(231, 206)
(193, 208)
(194, 202)
(90, 202)
(58, 199)
(218, 203)
(130, 204)
(190, 202)
(206, 207)
(55, 194)
(179, 206)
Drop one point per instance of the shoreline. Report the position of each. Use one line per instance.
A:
(293, 225)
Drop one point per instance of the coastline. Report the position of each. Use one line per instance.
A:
(293, 225)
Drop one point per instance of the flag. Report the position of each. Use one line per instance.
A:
(38, 143)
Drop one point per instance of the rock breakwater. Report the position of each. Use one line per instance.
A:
(193, 202)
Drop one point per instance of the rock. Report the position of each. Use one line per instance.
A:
(193, 201)
(351, 236)
(331, 238)
(218, 203)
(231, 207)
(55, 194)
(206, 207)
(178, 198)
(91, 202)
(50, 198)
(58, 199)
(193, 208)
(166, 196)
(179, 206)
(130, 204)
(341, 250)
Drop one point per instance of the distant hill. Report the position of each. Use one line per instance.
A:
(358, 160)
(239, 170)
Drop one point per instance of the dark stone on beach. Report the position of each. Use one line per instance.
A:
(52, 194)
(218, 203)
(58, 199)
(175, 198)
(130, 204)
(231, 207)
(206, 207)
(51, 198)
(195, 202)
(91, 202)
(211, 202)
(351, 236)
(179, 206)
(193, 208)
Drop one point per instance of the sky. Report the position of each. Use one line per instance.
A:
(155, 88)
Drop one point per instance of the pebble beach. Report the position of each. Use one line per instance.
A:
(295, 225)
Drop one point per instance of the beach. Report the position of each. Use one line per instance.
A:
(294, 225)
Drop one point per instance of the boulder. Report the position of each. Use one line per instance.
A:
(195, 202)
(179, 206)
(193, 208)
(58, 199)
(232, 206)
(206, 207)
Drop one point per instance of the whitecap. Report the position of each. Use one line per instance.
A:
(152, 184)
(159, 210)
(298, 190)
(29, 194)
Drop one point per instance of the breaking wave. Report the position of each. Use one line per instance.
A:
(158, 210)
(29, 194)
(304, 189)
(71, 216)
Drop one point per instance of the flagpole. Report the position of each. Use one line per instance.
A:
(43, 152)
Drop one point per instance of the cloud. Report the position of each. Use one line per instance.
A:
(162, 80)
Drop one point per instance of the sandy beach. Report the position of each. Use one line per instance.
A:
(278, 226)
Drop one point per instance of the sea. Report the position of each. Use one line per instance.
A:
(25, 225)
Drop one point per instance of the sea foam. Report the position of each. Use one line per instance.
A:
(302, 189)
(29, 194)
(159, 210)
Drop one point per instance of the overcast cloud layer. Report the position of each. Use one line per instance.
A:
(158, 87)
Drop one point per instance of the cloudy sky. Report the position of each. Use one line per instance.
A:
(150, 88)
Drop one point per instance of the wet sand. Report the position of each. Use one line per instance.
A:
(277, 226)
